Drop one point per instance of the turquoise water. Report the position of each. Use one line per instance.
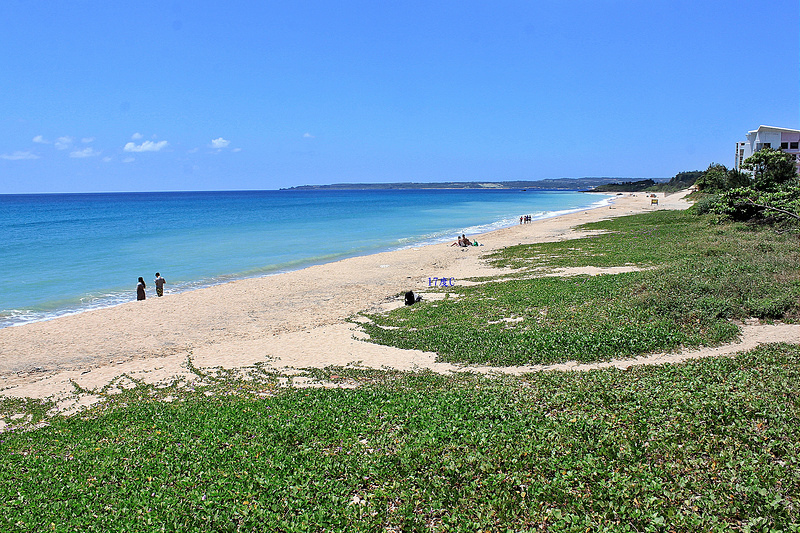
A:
(66, 253)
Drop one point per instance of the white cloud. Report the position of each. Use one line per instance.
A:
(237, 149)
(16, 156)
(87, 140)
(146, 146)
(136, 136)
(307, 135)
(86, 152)
(107, 159)
(129, 160)
(219, 143)
(62, 143)
(41, 140)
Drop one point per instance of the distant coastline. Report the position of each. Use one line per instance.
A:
(561, 184)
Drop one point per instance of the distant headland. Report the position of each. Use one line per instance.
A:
(567, 184)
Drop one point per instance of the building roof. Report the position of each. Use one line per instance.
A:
(773, 128)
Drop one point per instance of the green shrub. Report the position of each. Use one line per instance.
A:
(705, 204)
(781, 206)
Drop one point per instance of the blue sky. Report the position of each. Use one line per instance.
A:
(171, 95)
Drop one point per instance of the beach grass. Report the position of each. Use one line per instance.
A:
(706, 445)
(694, 279)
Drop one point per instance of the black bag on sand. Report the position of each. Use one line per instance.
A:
(410, 300)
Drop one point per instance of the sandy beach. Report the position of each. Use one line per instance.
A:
(284, 322)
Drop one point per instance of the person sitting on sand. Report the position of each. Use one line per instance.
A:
(140, 289)
(462, 241)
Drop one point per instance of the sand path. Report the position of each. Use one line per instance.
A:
(285, 322)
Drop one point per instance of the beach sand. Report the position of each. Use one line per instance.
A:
(284, 322)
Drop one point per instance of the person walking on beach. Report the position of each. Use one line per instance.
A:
(159, 284)
(140, 289)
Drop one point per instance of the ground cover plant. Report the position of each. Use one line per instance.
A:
(696, 279)
(708, 445)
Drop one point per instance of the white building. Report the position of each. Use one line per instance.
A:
(782, 139)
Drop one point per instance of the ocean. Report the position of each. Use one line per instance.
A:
(67, 253)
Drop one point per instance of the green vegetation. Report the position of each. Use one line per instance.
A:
(681, 181)
(710, 445)
(696, 279)
(707, 445)
(626, 186)
(770, 196)
(719, 178)
(772, 169)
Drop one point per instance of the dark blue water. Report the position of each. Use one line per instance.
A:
(65, 253)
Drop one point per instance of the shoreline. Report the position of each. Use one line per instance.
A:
(112, 297)
(282, 322)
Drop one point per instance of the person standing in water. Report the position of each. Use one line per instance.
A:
(140, 289)
(159, 284)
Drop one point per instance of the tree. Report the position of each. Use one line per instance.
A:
(771, 169)
(684, 180)
(771, 196)
(713, 179)
(736, 179)
(747, 204)
(718, 178)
